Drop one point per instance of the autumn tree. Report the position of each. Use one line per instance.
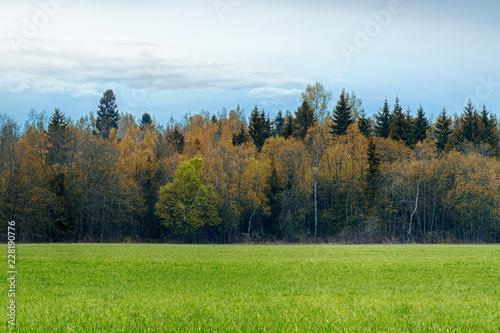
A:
(9, 166)
(316, 142)
(318, 99)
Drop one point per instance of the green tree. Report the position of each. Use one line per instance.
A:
(420, 125)
(146, 122)
(304, 119)
(62, 210)
(399, 130)
(259, 128)
(186, 205)
(279, 123)
(488, 131)
(469, 127)
(373, 170)
(107, 114)
(58, 132)
(176, 140)
(409, 137)
(443, 130)
(383, 121)
(364, 124)
(241, 137)
(342, 115)
(273, 192)
(288, 127)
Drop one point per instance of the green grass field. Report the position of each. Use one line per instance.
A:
(183, 288)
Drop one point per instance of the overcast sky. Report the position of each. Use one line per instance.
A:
(171, 57)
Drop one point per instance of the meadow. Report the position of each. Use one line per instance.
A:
(257, 288)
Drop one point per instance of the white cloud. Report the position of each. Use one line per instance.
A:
(82, 70)
(272, 92)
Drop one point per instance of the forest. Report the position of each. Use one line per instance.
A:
(324, 173)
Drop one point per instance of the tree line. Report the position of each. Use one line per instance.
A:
(317, 174)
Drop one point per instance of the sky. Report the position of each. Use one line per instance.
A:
(169, 58)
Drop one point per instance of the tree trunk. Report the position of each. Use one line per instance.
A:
(315, 203)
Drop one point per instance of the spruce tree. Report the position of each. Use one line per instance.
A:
(58, 132)
(398, 126)
(288, 127)
(57, 156)
(420, 125)
(364, 124)
(342, 115)
(146, 122)
(304, 119)
(409, 130)
(443, 130)
(273, 192)
(487, 126)
(469, 126)
(107, 114)
(279, 123)
(383, 121)
(241, 137)
(176, 140)
(259, 128)
(373, 170)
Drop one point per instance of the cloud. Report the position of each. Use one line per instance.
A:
(85, 69)
(272, 92)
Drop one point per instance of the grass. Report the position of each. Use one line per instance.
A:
(184, 288)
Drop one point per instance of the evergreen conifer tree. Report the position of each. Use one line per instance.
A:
(304, 119)
(288, 127)
(342, 115)
(383, 121)
(364, 124)
(443, 130)
(420, 125)
(279, 123)
(398, 126)
(259, 128)
(469, 125)
(107, 114)
(240, 137)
